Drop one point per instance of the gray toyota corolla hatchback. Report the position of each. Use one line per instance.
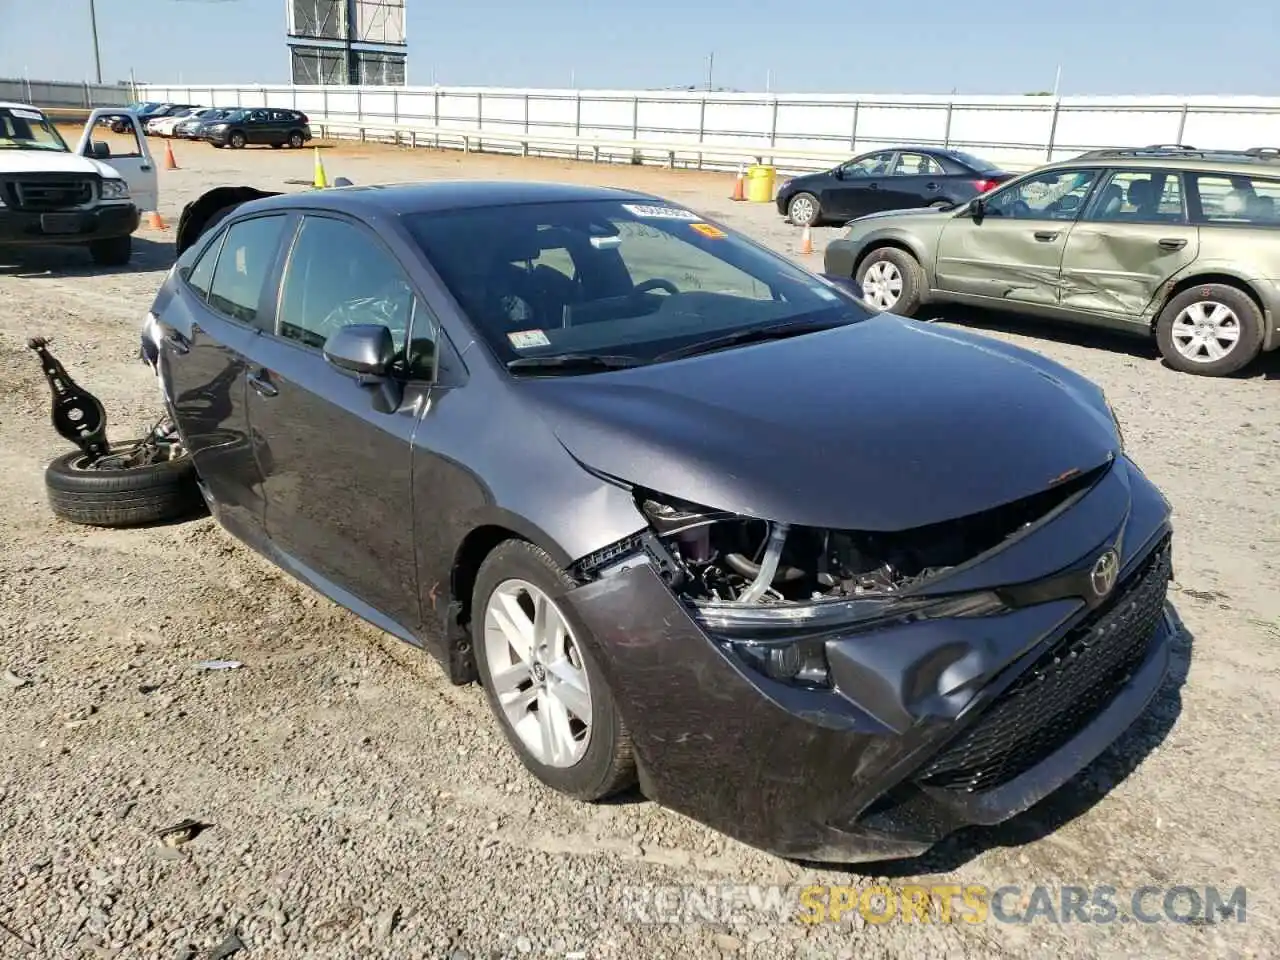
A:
(830, 581)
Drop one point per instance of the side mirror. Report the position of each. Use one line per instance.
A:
(977, 209)
(100, 150)
(838, 173)
(365, 350)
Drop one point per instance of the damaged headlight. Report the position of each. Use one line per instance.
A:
(775, 594)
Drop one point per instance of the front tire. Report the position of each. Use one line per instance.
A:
(127, 497)
(112, 252)
(804, 210)
(1211, 330)
(537, 665)
(237, 141)
(891, 280)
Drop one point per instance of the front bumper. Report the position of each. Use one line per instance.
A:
(933, 725)
(72, 226)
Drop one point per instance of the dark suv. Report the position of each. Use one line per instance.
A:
(1173, 242)
(262, 125)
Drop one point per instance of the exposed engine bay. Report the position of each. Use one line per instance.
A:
(727, 558)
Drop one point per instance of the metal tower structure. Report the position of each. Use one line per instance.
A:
(347, 42)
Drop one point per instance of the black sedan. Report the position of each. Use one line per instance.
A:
(895, 179)
(666, 496)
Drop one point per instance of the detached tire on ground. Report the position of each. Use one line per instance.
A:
(540, 698)
(1211, 329)
(891, 280)
(125, 497)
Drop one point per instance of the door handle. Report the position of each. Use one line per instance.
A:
(1172, 243)
(177, 341)
(145, 168)
(261, 387)
(873, 186)
(931, 186)
(1046, 236)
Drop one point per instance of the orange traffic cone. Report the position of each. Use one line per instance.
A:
(169, 162)
(806, 242)
(739, 185)
(155, 221)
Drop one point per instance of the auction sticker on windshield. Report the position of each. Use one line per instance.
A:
(27, 114)
(707, 230)
(654, 212)
(524, 339)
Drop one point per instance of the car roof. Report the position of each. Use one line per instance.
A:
(10, 105)
(1257, 161)
(440, 195)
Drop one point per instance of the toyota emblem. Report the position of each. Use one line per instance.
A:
(1104, 573)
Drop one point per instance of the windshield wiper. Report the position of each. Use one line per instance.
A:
(574, 361)
(772, 331)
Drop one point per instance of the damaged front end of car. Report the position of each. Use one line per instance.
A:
(823, 670)
(774, 593)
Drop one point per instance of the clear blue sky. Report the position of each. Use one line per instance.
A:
(838, 46)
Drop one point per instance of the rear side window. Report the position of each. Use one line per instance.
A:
(1140, 196)
(200, 275)
(1237, 199)
(248, 252)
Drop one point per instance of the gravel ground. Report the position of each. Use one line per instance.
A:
(356, 805)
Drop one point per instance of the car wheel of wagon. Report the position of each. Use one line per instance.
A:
(891, 280)
(803, 210)
(295, 140)
(237, 140)
(112, 252)
(115, 492)
(542, 680)
(1212, 330)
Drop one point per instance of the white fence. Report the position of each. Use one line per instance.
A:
(800, 132)
(60, 93)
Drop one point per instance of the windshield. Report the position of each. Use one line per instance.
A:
(634, 280)
(232, 115)
(28, 130)
(975, 163)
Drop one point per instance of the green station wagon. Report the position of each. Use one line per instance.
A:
(1178, 243)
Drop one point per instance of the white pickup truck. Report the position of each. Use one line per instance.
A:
(93, 195)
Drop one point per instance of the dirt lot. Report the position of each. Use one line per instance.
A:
(360, 806)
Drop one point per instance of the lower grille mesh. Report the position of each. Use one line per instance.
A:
(1063, 691)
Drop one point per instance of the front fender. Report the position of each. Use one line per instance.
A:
(844, 255)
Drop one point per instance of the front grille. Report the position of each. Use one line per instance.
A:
(1066, 688)
(50, 194)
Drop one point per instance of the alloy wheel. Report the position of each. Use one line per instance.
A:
(1205, 331)
(802, 211)
(882, 285)
(537, 673)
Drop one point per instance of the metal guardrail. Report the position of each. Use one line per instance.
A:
(474, 140)
(1017, 132)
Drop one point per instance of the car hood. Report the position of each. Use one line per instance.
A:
(886, 424)
(906, 212)
(50, 161)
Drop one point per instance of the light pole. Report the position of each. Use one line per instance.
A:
(93, 25)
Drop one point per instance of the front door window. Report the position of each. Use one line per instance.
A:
(1053, 195)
